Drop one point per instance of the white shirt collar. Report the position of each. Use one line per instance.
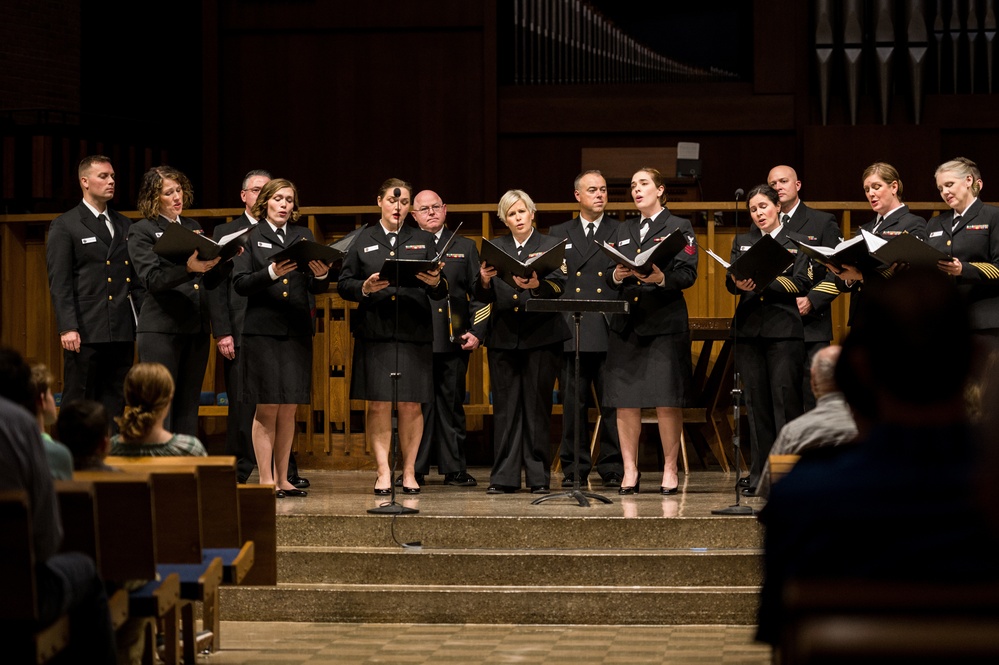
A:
(518, 245)
(965, 211)
(596, 222)
(274, 228)
(790, 213)
(253, 222)
(885, 216)
(97, 213)
(776, 232)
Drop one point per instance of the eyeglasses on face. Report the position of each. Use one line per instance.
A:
(425, 210)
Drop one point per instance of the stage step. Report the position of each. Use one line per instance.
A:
(587, 569)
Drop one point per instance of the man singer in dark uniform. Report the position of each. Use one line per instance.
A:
(228, 312)
(92, 281)
(459, 327)
(588, 267)
(818, 228)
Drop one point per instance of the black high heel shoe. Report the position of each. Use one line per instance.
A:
(410, 490)
(383, 492)
(634, 488)
(668, 490)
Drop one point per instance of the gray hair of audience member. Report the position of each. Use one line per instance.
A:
(512, 196)
(823, 372)
(896, 327)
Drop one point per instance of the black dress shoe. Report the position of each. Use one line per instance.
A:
(632, 489)
(744, 482)
(280, 494)
(383, 492)
(419, 480)
(748, 491)
(410, 490)
(567, 480)
(299, 482)
(613, 480)
(460, 479)
(668, 490)
(540, 489)
(294, 492)
(501, 489)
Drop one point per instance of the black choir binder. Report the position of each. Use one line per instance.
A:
(642, 262)
(762, 262)
(507, 267)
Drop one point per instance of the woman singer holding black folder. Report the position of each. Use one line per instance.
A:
(648, 351)
(276, 359)
(174, 322)
(524, 352)
(392, 324)
(883, 189)
(969, 233)
(770, 356)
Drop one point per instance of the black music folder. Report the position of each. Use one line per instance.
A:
(178, 243)
(762, 262)
(642, 262)
(904, 248)
(853, 252)
(403, 272)
(508, 267)
(302, 251)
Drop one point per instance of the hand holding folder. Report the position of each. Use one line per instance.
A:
(178, 243)
(303, 251)
(642, 263)
(762, 263)
(507, 267)
(403, 272)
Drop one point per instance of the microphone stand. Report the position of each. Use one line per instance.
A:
(392, 507)
(737, 509)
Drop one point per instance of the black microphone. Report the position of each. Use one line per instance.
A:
(398, 192)
(739, 193)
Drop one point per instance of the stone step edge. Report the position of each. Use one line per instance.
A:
(487, 551)
(490, 588)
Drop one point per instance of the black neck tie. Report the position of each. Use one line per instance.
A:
(280, 235)
(785, 218)
(878, 225)
(392, 237)
(644, 228)
(520, 251)
(957, 222)
(590, 232)
(103, 219)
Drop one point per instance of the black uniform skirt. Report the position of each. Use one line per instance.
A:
(375, 361)
(275, 370)
(645, 372)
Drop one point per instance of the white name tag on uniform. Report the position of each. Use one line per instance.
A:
(265, 245)
(370, 248)
(158, 234)
(87, 241)
(745, 248)
(624, 242)
(936, 234)
(568, 245)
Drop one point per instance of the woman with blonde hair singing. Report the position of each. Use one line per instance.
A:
(148, 395)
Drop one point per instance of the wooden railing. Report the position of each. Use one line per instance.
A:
(28, 321)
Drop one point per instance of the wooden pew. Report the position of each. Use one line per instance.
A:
(219, 513)
(23, 640)
(125, 548)
(781, 465)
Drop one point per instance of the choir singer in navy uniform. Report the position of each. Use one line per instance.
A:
(275, 362)
(770, 335)
(174, 321)
(459, 327)
(648, 353)
(524, 350)
(95, 291)
(588, 269)
(969, 233)
(393, 331)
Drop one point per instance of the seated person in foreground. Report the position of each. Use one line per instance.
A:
(899, 506)
(148, 394)
(829, 423)
(82, 426)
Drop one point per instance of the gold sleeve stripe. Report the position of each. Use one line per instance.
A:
(826, 287)
(555, 287)
(482, 314)
(887, 273)
(788, 284)
(987, 269)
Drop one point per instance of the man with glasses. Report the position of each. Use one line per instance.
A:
(459, 327)
(228, 313)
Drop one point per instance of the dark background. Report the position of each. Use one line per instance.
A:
(339, 96)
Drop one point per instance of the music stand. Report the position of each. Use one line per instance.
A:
(576, 308)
